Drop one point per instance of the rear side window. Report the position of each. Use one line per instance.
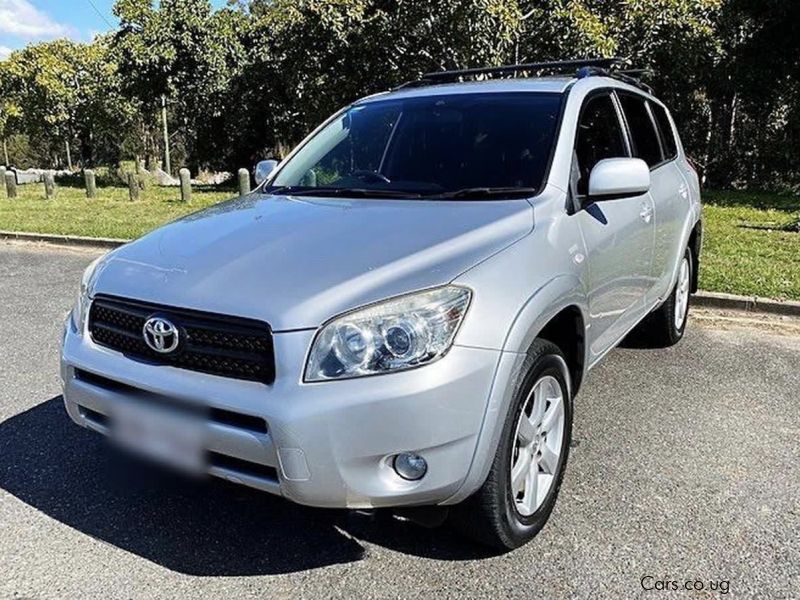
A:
(599, 137)
(643, 131)
(665, 127)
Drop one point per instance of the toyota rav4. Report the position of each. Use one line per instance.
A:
(402, 312)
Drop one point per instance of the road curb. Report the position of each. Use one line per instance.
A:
(746, 303)
(62, 240)
(706, 299)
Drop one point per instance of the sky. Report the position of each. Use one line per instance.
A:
(25, 21)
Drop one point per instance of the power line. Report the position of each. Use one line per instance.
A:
(101, 15)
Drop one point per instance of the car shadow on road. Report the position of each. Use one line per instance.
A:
(207, 527)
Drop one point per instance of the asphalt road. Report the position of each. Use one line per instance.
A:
(686, 467)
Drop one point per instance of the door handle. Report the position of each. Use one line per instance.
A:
(646, 213)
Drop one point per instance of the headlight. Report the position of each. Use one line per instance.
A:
(81, 310)
(397, 334)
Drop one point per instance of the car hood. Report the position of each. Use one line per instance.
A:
(295, 262)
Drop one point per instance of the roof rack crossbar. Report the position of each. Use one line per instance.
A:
(558, 65)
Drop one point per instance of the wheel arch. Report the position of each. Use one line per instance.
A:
(691, 239)
(567, 330)
(695, 243)
(558, 313)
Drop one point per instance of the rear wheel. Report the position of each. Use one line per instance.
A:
(666, 324)
(519, 494)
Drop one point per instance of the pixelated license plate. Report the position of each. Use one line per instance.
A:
(167, 436)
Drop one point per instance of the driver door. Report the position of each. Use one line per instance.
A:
(618, 233)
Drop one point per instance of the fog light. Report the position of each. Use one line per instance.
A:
(410, 466)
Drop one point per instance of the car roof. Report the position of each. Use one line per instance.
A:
(550, 85)
(553, 85)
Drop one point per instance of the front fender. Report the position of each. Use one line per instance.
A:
(556, 295)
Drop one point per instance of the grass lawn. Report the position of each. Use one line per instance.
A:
(111, 214)
(744, 249)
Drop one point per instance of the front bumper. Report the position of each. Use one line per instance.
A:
(325, 444)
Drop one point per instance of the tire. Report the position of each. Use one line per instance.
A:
(495, 515)
(665, 326)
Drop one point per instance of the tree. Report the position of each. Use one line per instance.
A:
(249, 80)
(318, 55)
(754, 95)
(184, 51)
(65, 92)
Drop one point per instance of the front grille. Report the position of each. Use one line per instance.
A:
(220, 345)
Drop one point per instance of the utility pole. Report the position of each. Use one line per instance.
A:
(167, 166)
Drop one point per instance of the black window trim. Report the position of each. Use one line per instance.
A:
(664, 161)
(606, 91)
(575, 204)
(548, 170)
(662, 134)
(627, 140)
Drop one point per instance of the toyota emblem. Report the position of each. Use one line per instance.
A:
(161, 335)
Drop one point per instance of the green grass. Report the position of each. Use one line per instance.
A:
(745, 250)
(111, 214)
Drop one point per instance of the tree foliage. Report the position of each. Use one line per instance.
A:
(63, 91)
(248, 80)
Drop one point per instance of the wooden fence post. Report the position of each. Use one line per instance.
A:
(186, 185)
(11, 185)
(49, 185)
(133, 186)
(244, 182)
(91, 186)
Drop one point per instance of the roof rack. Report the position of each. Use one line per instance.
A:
(555, 66)
(585, 67)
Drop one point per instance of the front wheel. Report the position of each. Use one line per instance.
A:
(518, 496)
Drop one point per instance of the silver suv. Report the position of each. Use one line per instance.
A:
(403, 311)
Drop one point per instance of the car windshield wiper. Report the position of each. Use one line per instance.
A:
(487, 192)
(345, 192)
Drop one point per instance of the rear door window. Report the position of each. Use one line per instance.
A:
(665, 128)
(600, 136)
(644, 137)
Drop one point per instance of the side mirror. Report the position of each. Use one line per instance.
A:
(615, 178)
(263, 170)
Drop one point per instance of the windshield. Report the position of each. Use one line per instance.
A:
(461, 145)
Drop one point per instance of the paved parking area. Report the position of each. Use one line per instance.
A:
(686, 467)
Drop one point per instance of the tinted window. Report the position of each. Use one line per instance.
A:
(643, 132)
(665, 127)
(432, 145)
(599, 136)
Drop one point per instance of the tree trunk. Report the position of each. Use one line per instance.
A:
(720, 168)
(87, 148)
(69, 155)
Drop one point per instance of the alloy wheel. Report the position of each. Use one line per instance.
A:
(682, 294)
(537, 445)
